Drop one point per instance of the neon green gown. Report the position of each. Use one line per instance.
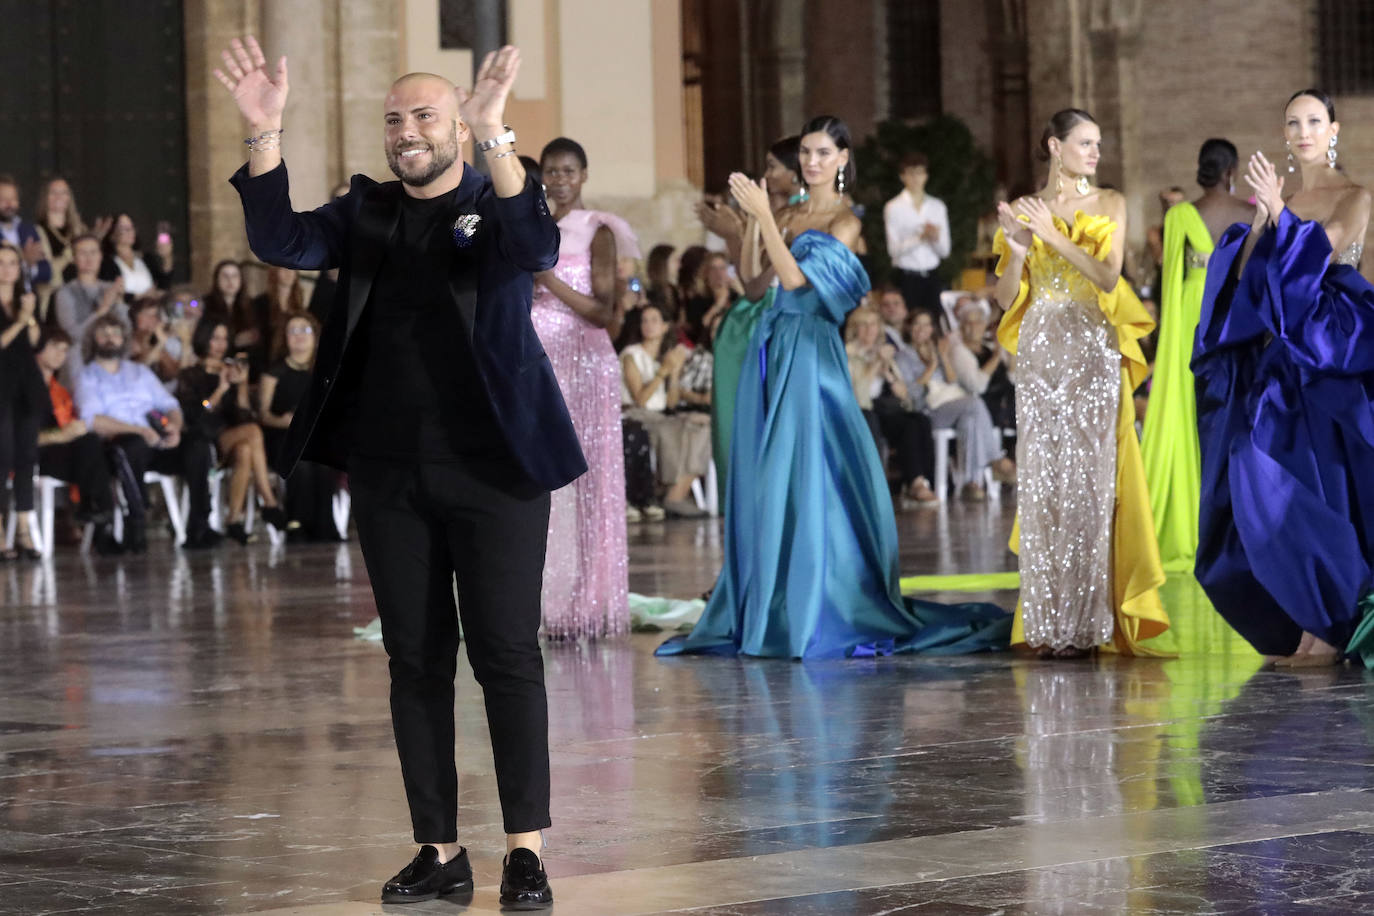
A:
(1169, 446)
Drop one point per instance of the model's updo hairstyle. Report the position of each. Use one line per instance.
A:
(1060, 125)
(1319, 96)
(839, 132)
(1214, 159)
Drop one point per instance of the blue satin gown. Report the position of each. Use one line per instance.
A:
(810, 537)
(1284, 363)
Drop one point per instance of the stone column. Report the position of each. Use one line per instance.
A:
(297, 28)
(215, 136)
(368, 62)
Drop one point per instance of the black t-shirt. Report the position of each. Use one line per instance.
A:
(291, 387)
(421, 398)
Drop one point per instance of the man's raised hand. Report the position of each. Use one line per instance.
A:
(484, 108)
(261, 99)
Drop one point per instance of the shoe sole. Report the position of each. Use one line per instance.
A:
(464, 887)
(526, 905)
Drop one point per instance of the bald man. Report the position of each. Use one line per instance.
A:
(431, 389)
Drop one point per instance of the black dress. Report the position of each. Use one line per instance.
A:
(23, 399)
(310, 491)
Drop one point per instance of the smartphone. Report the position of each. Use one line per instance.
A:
(164, 238)
(634, 285)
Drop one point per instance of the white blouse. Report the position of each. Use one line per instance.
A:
(137, 278)
(647, 367)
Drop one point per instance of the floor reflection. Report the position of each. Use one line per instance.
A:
(192, 733)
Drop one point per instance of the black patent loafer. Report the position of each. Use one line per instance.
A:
(524, 886)
(426, 878)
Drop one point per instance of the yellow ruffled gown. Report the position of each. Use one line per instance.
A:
(1169, 444)
(1089, 561)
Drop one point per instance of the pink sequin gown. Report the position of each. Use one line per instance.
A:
(586, 582)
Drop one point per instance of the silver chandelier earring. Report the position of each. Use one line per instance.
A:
(839, 180)
(1331, 153)
(1289, 147)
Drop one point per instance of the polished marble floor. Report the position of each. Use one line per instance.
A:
(200, 733)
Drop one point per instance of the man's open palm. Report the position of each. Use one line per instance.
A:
(261, 99)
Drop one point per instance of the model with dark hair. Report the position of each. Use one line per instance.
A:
(1284, 366)
(1088, 558)
(1169, 445)
(810, 537)
(586, 578)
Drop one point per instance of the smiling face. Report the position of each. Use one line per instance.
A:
(1080, 150)
(1308, 129)
(563, 179)
(821, 159)
(423, 136)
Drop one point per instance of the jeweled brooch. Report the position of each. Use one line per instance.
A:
(465, 229)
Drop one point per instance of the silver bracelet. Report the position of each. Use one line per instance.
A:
(509, 152)
(274, 134)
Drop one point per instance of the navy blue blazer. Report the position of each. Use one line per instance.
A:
(490, 285)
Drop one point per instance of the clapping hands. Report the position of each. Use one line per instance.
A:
(1264, 179)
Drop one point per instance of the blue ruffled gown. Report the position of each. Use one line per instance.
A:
(810, 537)
(1284, 364)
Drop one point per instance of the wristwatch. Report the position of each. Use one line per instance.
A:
(498, 140)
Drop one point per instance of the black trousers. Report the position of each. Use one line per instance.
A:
(639, 471)
(82, 462)
(909, 436)
(419, 526)
(18, 449)
(921, 292)
(190, 461)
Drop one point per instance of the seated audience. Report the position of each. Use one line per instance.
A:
(68, 450)
(310, 491)
(82, 300)
(650, 387)
(21, 395)
(23, 235)
(984, 368)
(214, 400)
(660, 268)
(125, 404)
(694, 296)
(162, 345)
(142, 271)
(950, 406)
(888, 405)
(256, 330)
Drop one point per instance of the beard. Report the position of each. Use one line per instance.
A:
(109, 350)
(441, 159)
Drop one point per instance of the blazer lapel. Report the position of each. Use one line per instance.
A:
(376, 226)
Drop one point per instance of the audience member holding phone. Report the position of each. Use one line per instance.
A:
(214, 399)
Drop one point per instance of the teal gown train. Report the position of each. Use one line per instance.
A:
(810, 537)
